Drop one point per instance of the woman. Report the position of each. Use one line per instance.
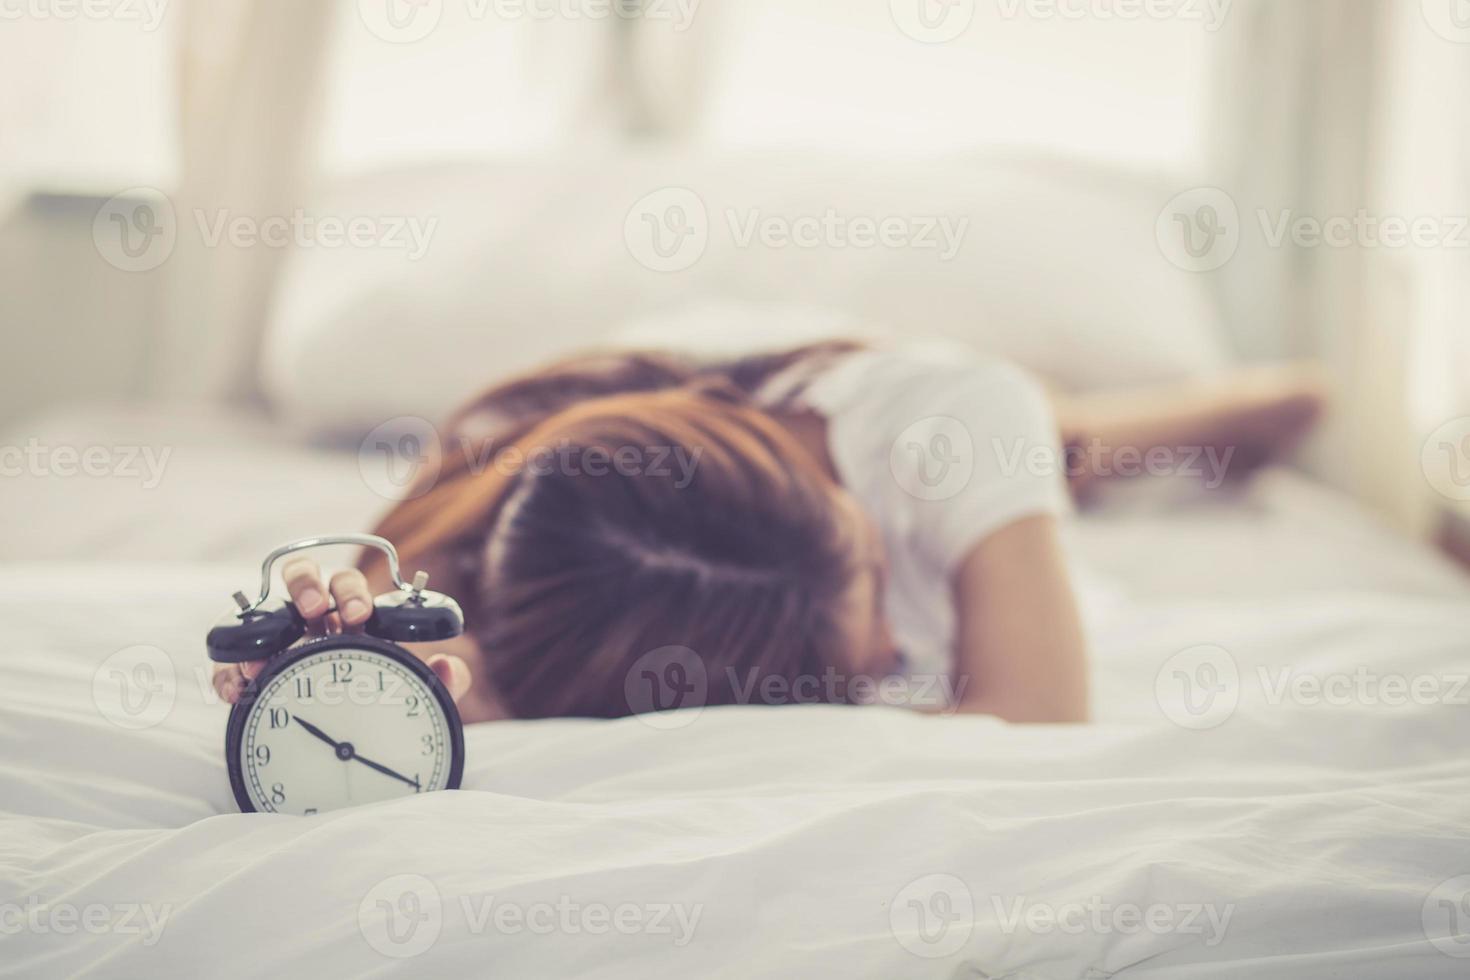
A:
(801, 526)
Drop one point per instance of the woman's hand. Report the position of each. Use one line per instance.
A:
(343, 605)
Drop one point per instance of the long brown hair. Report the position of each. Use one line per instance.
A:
(668, 513)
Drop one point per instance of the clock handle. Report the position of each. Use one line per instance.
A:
(363, 540)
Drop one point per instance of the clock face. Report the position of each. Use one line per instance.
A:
(340, 722)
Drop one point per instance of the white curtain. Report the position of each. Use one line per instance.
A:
(278, 98)
(1424, 172)
(1328, 109)
(1423, 129)
(250, 75)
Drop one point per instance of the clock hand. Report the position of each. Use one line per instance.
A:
(316, 731)
(387, 772)
(345, 751)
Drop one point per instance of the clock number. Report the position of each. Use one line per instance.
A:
(309, 812)
(280, 718)
(303, 685)
(413, 705)
(262, 755)
(341, 670)
(278, 794)
(428, 745)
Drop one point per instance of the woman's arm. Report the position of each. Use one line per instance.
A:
(1246, 416)
(1020, 652)
(1020, 649)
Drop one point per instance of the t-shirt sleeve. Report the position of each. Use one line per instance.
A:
(948, 448)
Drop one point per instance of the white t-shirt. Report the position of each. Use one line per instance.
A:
(942, 448)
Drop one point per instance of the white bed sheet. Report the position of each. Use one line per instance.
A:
(764, 842)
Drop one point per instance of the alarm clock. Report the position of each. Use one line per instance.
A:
(345, 719)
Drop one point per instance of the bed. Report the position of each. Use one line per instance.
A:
(1280, 835)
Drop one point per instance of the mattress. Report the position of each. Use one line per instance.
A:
(1308, 819)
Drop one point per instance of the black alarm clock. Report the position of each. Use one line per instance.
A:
(339, 720)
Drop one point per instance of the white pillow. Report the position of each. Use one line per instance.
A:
(1057, 269)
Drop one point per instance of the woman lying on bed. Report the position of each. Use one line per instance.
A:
(795, 527)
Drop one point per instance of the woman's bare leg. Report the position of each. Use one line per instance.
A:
(1252, 413)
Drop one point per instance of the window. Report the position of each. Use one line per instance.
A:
(89, 96)
(836, 74)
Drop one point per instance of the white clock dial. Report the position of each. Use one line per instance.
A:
(343, 726)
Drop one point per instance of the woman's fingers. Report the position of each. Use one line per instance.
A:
(304, 585)
(230, 680)
(453, 673)
(346, 604)
(353, 599)
(309, 594)
(350, 604)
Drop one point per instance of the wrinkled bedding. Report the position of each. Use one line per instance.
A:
(1277, 785)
